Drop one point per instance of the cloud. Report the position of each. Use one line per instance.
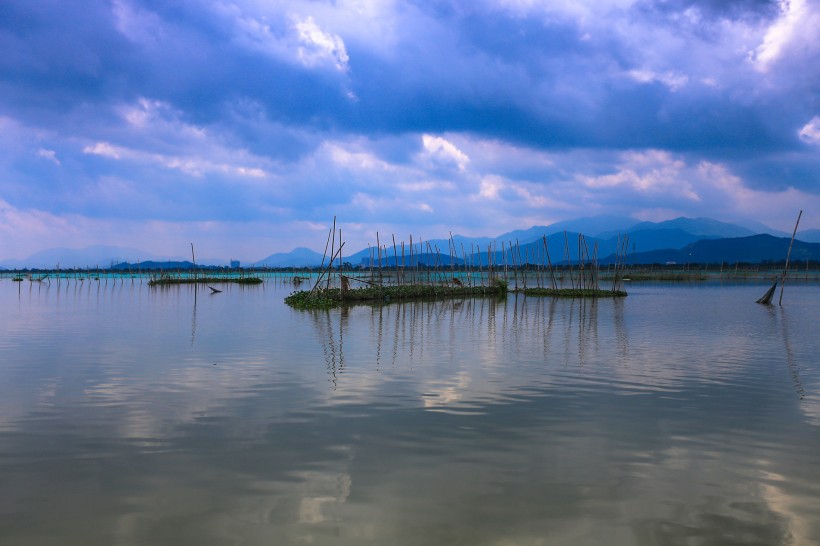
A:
(653, 171)
(490, 187)
(673, 80)
(382, 112)
(439, 150)
(50, 155)
(192, 165)
(318, 46)
(810, 132)
(795, 29)
(139, 25)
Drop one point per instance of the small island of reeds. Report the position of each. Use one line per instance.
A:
(573, 292)
(326, 298)
(169, 280)
(424, 273)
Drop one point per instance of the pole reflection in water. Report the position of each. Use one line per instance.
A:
(465, 331)
(781, 313)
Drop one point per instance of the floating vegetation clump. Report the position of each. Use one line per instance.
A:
(667, 276)
(427, 273)
(165, 281)
(332, 297)
(305, 299)
(573, 292)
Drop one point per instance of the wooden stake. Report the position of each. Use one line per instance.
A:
(788, 255)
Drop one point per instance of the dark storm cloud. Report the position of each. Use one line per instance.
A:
(224, 111)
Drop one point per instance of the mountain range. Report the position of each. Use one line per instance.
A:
(705, 239)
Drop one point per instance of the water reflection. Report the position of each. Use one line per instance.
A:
(790, 358)
(472, 329)
(659, 419)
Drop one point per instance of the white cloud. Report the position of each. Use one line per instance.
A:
(160, 119)
(440, 150)
(651, 172)
(289, 37)
(136, 24)
(490, 186)
(50, 155)
(355, 159)
(104, 149)
(811, 131)
(192, 165)
(671, 79)
(795, 28)
(318, 46)
(581, 10)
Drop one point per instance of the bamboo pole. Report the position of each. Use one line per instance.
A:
(395, 259)
(332, 251)
(788, 255)
(569, 262)
(549, 264)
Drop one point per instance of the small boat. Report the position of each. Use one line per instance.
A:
(213, 290)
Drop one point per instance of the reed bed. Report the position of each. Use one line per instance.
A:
(422, 271)
(166, 281)
(573, 292)
(326, 298)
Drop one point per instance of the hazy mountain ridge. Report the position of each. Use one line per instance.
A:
(605, 231)
(752, 249)
(92, 256)
(809, 235)
(298, 257)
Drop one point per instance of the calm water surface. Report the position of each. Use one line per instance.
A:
(681, 415)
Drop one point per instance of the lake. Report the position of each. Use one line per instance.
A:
(682, 414)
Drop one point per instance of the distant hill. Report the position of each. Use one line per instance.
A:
(152, 265)
(594, 226)
(298, 257)
(91, 256)
(753, 249)
(759, 228)
(699, 227)
(809, 235)
(603, 230)
(644, 240)
(704, 227)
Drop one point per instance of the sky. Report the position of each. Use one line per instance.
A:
(245, 126)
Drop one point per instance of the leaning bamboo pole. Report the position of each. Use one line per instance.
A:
(569, 262)
(332, 251)
(788, 255)
(549, 264)
(395, 259)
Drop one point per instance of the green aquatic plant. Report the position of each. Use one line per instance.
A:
(305, 299)
(165, 280)
(573, 293)
(331, 297)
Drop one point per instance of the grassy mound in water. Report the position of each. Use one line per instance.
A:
(164, 281)
(574, 293)
(328, 298)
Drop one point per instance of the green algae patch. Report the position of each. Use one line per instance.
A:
(166, 281)
(573, 293)
(333, 297)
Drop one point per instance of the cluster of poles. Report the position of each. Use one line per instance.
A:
(423, 262)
